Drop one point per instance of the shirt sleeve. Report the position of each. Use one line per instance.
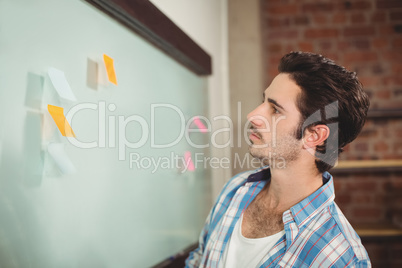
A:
(362, 264)
(195, 257)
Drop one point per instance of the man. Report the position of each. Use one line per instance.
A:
(285, 215)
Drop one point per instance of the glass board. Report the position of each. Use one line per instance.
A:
(122, 192)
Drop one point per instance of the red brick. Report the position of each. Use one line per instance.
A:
(354, 5)
(397, 43)
(368, 133)
(361, 44)
(338, 185)
(286, 9)
(361, 198)
(397, 148)
(342, 45)
(272, 72)
(362, 186)
(301, 20)
(377, 69)
(381, 199)
(332, 56)
(321, 33)
(397, 93)
(378, 16)
(397, 67)
(314, 7)
(274, 48)
(392, 55)
(359, 31)
(386, 30)
(367, 213)
(398, 133)
(290, 47)
(379, 43)
(325, 45)
(358, 18)
(393, 80)
(383, 94)
(339, 18)
(388, 4)
(395, 16)
(278, 23)
(381, 147)
(320, 19)
(275, 2)
(342, 198)
(398, 28)
(360, 56)
(274, 60)
(361, 147)
(288, 34)
(305, 46)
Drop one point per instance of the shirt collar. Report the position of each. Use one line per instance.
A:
(308, 207)
(260, 174)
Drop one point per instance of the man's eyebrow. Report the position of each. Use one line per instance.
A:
(273, 101)
(276, 103)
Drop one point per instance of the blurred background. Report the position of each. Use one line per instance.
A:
(90, 218)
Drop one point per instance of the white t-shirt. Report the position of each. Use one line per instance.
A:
(242, 252)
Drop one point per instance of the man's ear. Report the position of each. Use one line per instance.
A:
(314, 136)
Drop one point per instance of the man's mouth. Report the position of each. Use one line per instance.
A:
(254, 135)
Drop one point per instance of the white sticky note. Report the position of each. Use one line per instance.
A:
(61, 85)
(56, 150)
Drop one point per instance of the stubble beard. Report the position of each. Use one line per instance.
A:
(286, 149)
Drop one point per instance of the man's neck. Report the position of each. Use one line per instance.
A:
(291, 185)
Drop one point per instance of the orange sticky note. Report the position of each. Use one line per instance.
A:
(110, 69)
(57, 114)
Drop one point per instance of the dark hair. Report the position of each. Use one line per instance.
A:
(330, 95)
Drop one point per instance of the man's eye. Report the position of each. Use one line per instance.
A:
(275, 110)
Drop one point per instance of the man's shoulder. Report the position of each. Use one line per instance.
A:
(335, 237)
(348, 232)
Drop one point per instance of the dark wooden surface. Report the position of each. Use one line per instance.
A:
(177, 261)
(142, 17)
(384, 113)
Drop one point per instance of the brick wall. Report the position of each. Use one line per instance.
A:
(365, 36)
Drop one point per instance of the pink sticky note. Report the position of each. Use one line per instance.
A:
(189, 161)
(200, 125)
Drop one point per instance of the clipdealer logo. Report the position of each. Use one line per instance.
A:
(112, 134)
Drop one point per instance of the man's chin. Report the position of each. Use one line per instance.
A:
(258, 155)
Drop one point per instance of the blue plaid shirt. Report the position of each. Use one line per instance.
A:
(317, 233)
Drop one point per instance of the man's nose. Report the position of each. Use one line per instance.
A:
(255, 118)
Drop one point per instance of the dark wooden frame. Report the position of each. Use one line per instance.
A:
(384, 113)
(365, 170)
(142, 17)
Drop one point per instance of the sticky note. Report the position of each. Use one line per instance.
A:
(56, 150)
(189, 161)
(60, 83)
(200, 125)
(57, 114)
(110, 69)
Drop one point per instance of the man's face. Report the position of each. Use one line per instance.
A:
(274, 123)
